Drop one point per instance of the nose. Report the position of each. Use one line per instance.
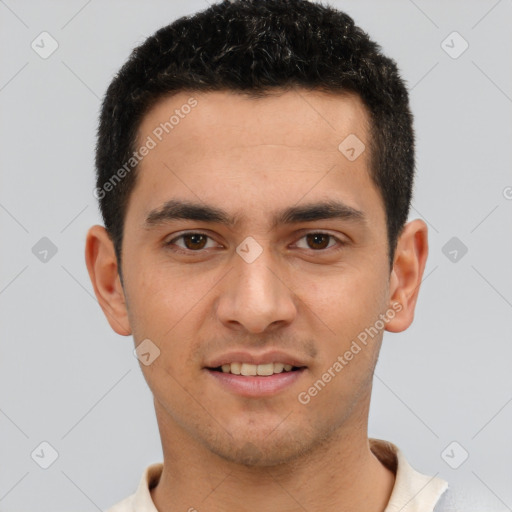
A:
(255, 297)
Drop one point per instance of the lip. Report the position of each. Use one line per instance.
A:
(273, 356)
(256, 386)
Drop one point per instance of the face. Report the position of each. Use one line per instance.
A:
(250, 237)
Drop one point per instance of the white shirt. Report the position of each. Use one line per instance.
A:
(412, 492)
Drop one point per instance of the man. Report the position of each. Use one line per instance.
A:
(255, 165)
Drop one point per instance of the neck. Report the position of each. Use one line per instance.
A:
(339, 475)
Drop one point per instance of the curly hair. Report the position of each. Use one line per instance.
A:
(254, 47)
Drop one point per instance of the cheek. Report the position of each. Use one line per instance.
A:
(161, 296)
(345, 301)
(344, 369)
(165, 307)
(348, 303)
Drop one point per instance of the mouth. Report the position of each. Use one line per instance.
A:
(255, 380)
(253, 370)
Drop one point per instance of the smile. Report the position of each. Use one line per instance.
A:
(256, 381)
(247, 369)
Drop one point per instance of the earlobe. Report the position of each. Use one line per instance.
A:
(101, 264)
(408, 267)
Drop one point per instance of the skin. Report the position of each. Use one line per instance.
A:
(255, 157)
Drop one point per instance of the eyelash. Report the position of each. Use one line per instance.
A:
(200, 251)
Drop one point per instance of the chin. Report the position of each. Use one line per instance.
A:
(262, 451)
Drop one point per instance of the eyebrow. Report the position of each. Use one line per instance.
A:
(185, 210)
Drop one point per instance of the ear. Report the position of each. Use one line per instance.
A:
(405, 280)
(101, 263)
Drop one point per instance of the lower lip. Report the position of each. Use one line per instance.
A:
(256, 386)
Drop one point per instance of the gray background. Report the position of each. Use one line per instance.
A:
(66, 378)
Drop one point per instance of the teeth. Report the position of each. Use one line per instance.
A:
(278, 367)
(249, 369)
(255, 369)
(235, 368)
(265, 369)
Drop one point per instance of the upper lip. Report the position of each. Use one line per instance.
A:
(273, 356)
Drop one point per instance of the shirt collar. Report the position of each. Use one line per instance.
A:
(412, 492)
(142, 501)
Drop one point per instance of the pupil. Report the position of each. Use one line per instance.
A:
(194, 239)
(316, 239)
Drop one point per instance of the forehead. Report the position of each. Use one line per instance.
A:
(308, 118)
(242, 151)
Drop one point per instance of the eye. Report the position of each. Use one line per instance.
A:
(192, 241)
(319, 241)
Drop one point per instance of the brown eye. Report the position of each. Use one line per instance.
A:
(190, 242)
(318, 240)
(194, 241)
